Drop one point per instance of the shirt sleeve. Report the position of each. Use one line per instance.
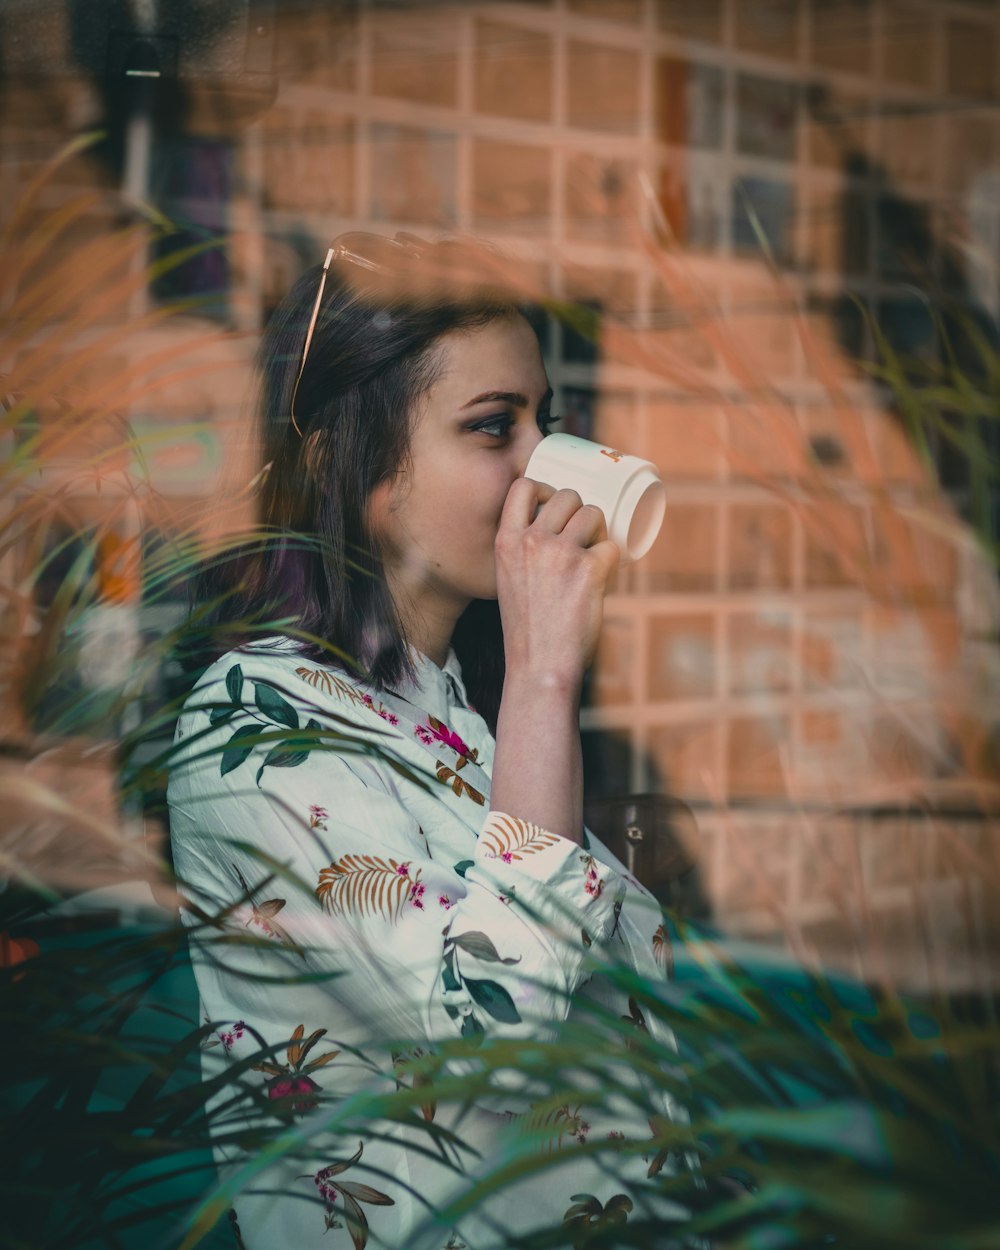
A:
(493, 944)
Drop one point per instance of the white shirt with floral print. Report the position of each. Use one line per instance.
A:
(348, 832)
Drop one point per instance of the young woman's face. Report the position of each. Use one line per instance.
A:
(474, 431)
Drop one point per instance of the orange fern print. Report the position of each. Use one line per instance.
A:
(460, 786)
(508, 838)
(365, 885)
(323, 679)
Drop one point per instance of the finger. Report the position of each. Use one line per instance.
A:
(554, 514)
(522, 502)
(608, 555)
(587, 526)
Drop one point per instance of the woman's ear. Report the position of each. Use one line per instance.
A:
(379, 506)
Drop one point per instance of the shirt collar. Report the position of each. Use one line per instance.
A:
(445, 679)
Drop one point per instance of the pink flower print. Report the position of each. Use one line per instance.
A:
(318, 816)
(592, 882)
(437, 731)
(229, 1037)
(380, 710)
(261, 923)
(450, 739)
(445, 901)
(403, 870)
(507, 857)
(582, 1131)
(297, 1088)
(416, 895)
(326, 1190)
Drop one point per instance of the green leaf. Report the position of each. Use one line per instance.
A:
(219, 715)
(494, 999)
(479, 945)
(234, 755)
(463, 866)
(275, 706)
(234, 683)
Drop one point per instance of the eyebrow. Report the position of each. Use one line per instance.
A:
(514, 398)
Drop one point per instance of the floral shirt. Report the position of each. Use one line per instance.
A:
(349, 832)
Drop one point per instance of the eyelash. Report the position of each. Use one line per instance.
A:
(487, 427)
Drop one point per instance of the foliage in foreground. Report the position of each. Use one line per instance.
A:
(821, 1112)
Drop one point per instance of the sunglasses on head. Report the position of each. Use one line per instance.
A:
(372, 252)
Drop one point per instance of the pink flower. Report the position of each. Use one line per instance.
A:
(367, 700)
(416, 895)
(390, 717)
(403, 870)
(507, 857)
(445, 901)
(318, 816)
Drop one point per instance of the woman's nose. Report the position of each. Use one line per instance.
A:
(526, 445)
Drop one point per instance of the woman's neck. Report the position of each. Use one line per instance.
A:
(428, 623)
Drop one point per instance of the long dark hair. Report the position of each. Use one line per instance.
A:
(314, 567)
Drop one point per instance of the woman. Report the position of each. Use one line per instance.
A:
(440, 874)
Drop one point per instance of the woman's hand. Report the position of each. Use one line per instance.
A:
(554, 561)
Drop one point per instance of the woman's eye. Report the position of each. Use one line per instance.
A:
(496, 427)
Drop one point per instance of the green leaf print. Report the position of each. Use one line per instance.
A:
(282, 756)
(219, 715)
(463, 866)
(275, 706)
(448, 978)
(291, 751)
(494, 999)
(471, 1028)
(234, 683)
(237, 749)
(479, 945)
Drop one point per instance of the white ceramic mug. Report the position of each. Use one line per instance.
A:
(626, 489)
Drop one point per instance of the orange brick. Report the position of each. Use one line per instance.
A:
(513, 71)
(603, 87)
(511, 185)
(682, 658)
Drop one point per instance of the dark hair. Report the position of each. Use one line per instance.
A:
(315, 567)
